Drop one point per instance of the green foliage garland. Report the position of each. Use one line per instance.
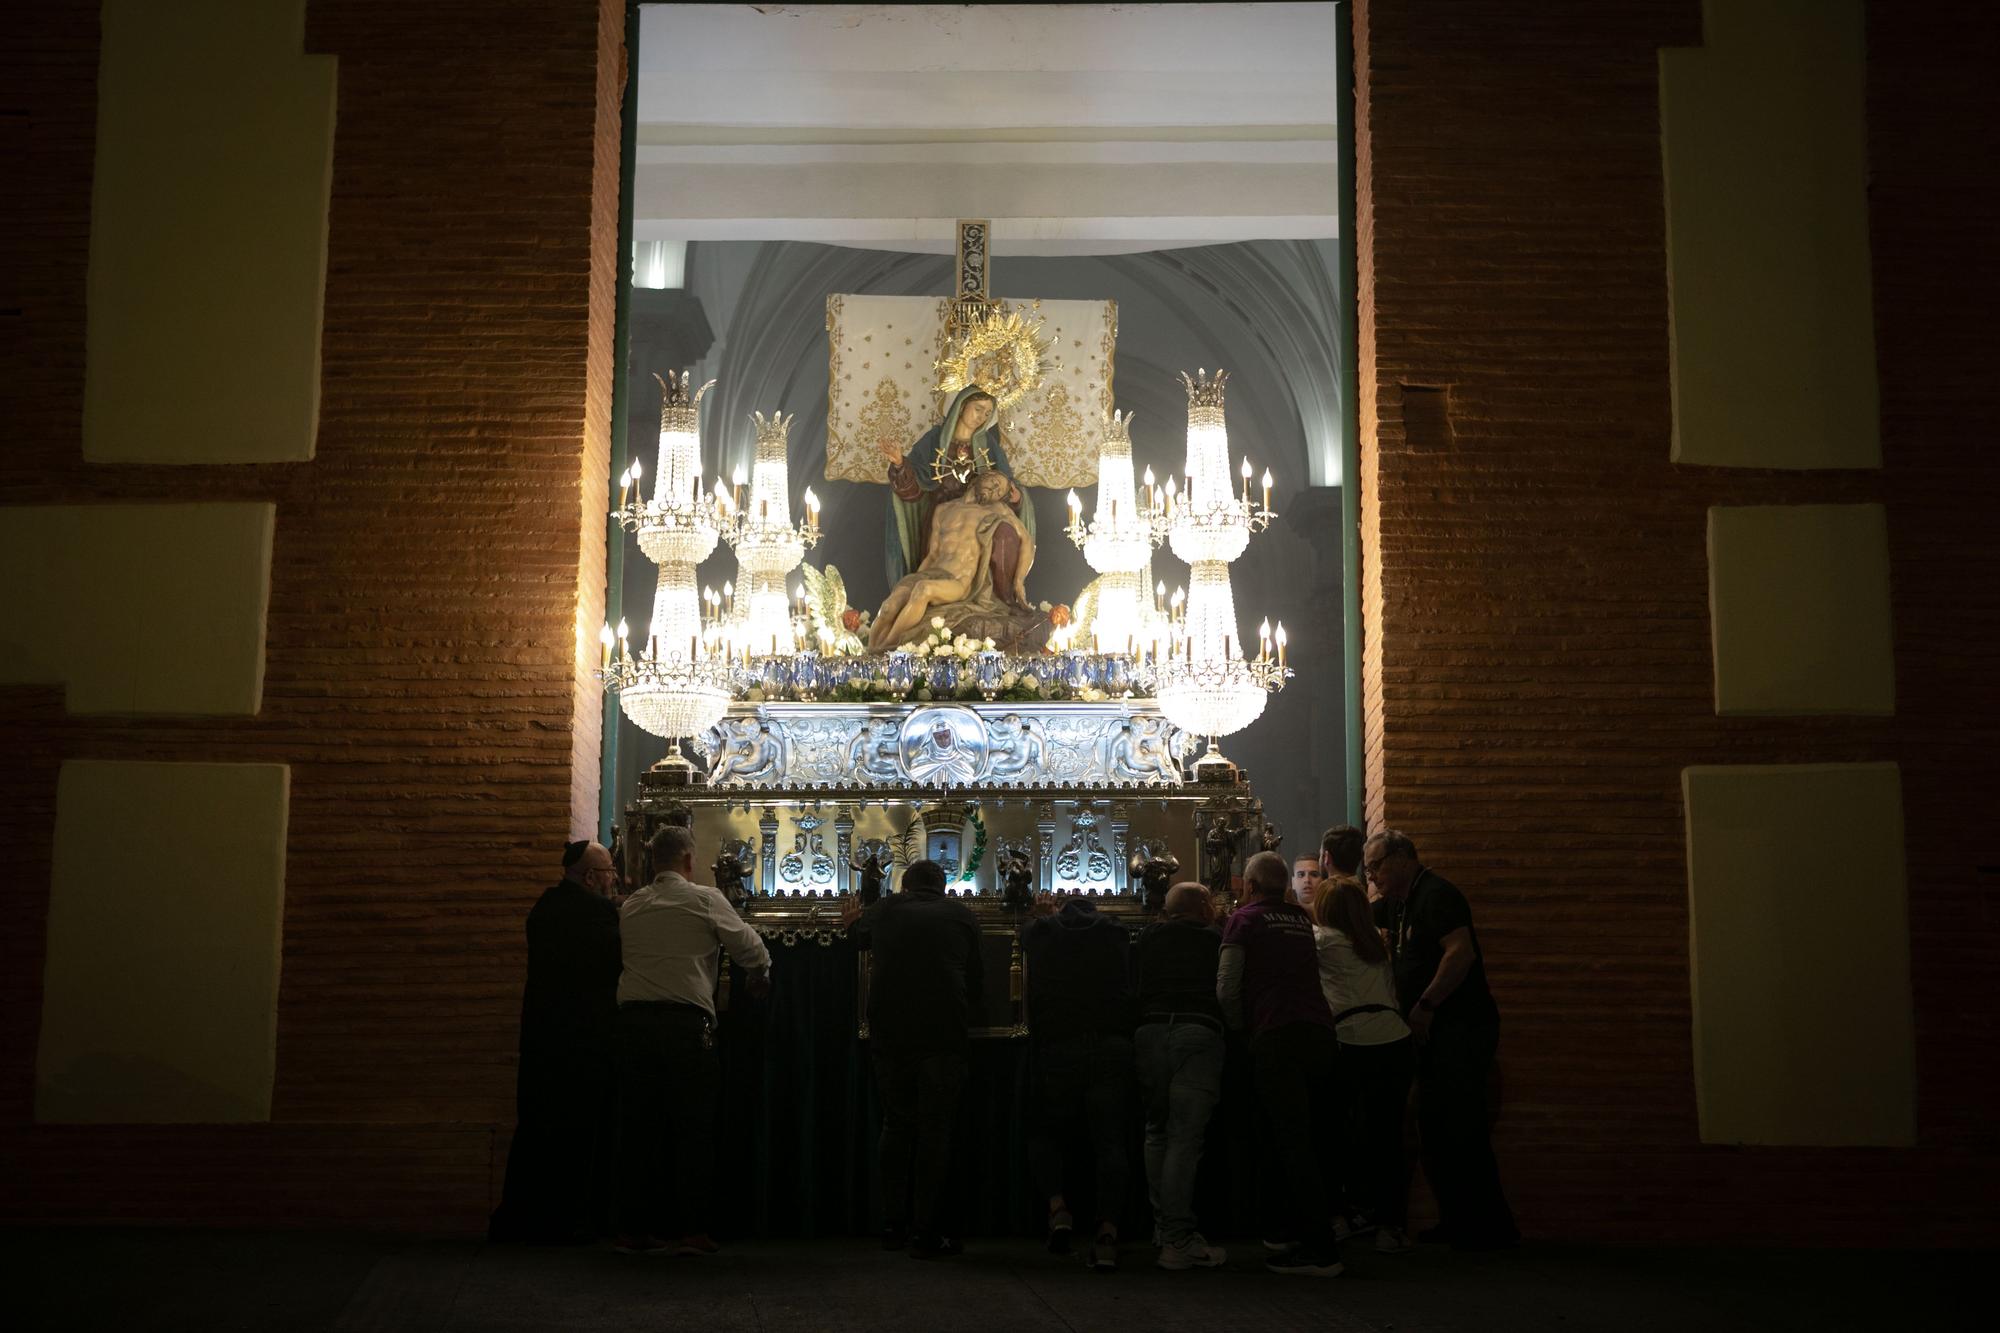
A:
(978, 846)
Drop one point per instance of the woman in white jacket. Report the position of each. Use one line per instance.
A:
(1376, 1053)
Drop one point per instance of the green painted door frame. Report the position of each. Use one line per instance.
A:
(621, 351)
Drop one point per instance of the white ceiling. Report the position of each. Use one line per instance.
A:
(1074, 128)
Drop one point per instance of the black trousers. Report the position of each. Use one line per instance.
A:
(919, 1091)
(1297, 1084)
(667, 1082)
(559, 1166)
(1453, 1120)
(1375, 1085)
(1083, 1081)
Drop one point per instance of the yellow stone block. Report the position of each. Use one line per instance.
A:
(138, 608)
(1798, 599)
(1764, 139)
(160, 990)
(1799, 955)
(208, 234)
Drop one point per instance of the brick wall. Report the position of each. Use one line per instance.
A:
(432, 566)
(1537, 664)
(1537, 660)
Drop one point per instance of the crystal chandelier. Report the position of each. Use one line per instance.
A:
(1205, 682)
(681, 524)
(672, 687)
(1119, 539)
(768, 545)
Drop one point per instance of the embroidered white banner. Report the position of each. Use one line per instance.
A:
(882, 384)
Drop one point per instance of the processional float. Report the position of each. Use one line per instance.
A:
(820, 769)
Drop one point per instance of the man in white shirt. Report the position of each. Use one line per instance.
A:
(671, 932)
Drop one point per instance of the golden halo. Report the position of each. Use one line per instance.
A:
(1002, 354)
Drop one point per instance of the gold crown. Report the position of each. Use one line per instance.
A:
(1203, 391)
(774, 427)
(674, 389)
(1118, 427)
(678, 411)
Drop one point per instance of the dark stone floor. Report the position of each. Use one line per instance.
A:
(206, 1280)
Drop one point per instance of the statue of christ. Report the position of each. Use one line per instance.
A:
(973, 577)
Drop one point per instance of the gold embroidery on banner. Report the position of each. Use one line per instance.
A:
(1057, 440)
(1051, 437)
(1108, 350)
(836, 438)
(885, 417)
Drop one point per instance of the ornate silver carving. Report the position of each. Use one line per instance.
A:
(1142, 751)
(1117, 743)
(1018, 747)
(807, 865)
(1083, 862)
(945, 744)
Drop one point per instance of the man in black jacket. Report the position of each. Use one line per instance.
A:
(1441, 985)
(558, 1167)
(925, 986)
(1079, 965)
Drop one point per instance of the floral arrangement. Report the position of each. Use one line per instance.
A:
(939, 641)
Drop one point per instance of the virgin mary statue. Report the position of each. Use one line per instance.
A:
(938, 468)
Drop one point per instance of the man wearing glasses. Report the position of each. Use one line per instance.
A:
(1441, 986)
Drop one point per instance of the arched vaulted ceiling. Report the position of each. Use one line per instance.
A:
(1075, 129)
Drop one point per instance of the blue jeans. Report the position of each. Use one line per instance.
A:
(1180, 1071)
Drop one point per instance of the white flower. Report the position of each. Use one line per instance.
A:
(937, 622)
(1044, 606)
(1032, 681)
(989, 645)
(1008, 679)
(923, 649)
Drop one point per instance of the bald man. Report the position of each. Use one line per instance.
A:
(558, 1166)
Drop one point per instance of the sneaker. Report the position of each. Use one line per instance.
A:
(688, 1247)
(1104, 1254)
(1159, 1236)
(629, 1244)
(1277, 1246)
(1358, 1224)
(1391, 1240)
(1300, 1262)
(1195, 1252)
(935, 1247)
(1343, 1227)
(1061, 1225)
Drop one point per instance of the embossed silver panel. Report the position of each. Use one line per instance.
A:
(1123, 743)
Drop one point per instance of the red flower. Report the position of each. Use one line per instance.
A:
(850, 619)
(1059, 615)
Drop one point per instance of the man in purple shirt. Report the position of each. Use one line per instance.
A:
(1268, 982)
